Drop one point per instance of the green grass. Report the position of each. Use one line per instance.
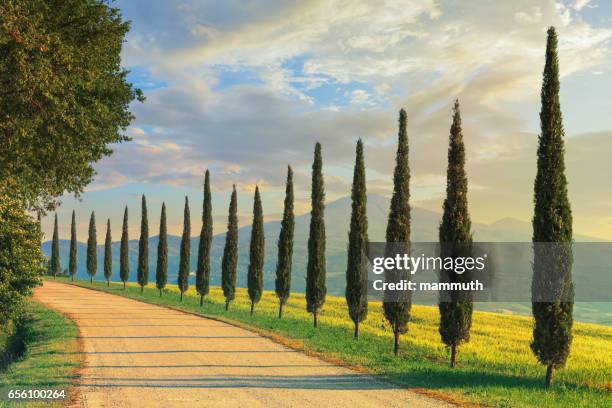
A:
(496, 367)
(49, 360)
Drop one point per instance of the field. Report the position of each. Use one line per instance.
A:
(50, 360)
(496, 368)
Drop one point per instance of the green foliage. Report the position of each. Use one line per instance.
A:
(230, 252)
(356, 268)
(161, 272)
(256, 253)
(64, 96)
(315, 272)
(108, 253)
(206, 234)
(124, 250)
(72, 264)
(285, 246)
(92, 243)
(54, 263)
(143, 247)
(397, 312)
(21, 260)
(183, 273)
(455, 241)
(552, 222)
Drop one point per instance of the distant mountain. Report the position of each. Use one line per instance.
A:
(337, 215)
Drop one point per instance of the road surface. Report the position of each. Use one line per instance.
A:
(142, 355)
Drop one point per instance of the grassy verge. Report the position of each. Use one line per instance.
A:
(48, 361)
(496, 368)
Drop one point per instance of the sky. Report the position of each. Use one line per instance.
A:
(247, 88)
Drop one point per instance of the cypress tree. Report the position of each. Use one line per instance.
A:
(256, 253)
(92, 243)
(183, 274)
(315, 272)
(203, 270)
(143, 248)
(552, 222)
(356, 269)
(108, 254)
(397, 312)
(124, 250)
(285, 247)
(455, 241)
(55, 267)
(161, 272)
(230, 252)
(72, 263)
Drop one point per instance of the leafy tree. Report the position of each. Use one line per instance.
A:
(230, 252)
(64, 96)
(552, 223)
(315, 272)
(455, 241)
(256, 253)
(161, 272)
(143, 248)
(54, 264)
(108, 254)
(397, 311)
(21, 260)
(285, 247)
(92, 243)
(183, 274)
(72, 264)
(124, 250)
(356, 269)
(203, 270)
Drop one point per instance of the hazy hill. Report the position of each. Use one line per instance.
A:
(337, 213)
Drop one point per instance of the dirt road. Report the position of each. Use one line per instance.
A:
(141, 355)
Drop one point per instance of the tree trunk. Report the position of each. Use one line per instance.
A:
(53, 276)
(91, 280)
(280, 310)
(160, 293)
(549, 375)
(141, 289)
(396, 338)
(201, 300)
(71, 278)
(454, 350)
(107, 283)
(227, 305)
(356, 330)
(252, 308)
(181, 296)
(123, 285)
(315, 319)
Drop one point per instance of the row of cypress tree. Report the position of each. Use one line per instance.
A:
(552, 222)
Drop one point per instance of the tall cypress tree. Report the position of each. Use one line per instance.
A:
(256, 253)
(552, 222)
(230, 252)
(108, 254)
(397, 311)
(315, 272)
(124, 250)
(285, 247)
(72, 263)
(455, 241)
(161, 272)
(92, 243)
(183, 274)
(356, 269)
(203, 270)
(55, 267)
(143, 248)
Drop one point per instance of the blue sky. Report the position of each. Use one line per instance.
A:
(246, 88)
